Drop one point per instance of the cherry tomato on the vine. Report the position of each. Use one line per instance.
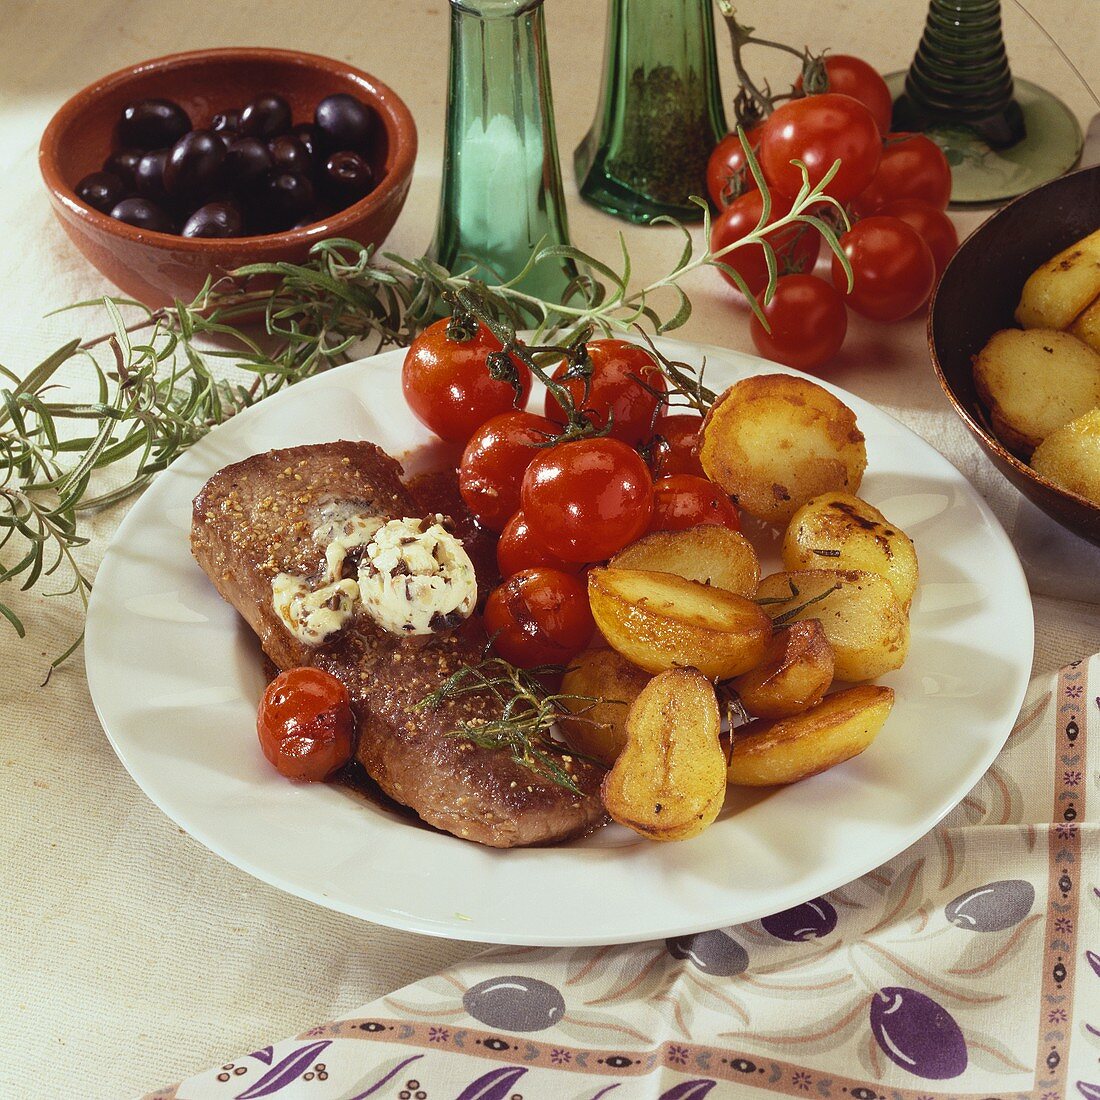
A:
(305, 724)
(676, 445)
(853, 76)
(807, 320)
(447, 383)
(518, 549)
(912, 167)
(818, 130)
(683, 500)
(796, 246)
(587, 499)
(892, 269)
(936, 229)
(621, 371)
(728, 170)
(492, 465)
(539, 616)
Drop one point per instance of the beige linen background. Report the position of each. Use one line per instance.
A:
(129, 955)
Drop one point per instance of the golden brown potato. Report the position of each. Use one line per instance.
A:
(840, 531)
(1087, 327)
(1070, 456)
(661, 621)
(858, 611)
(669, 781)
(1057, 292)
(794, 675)
(709, 554)
(599, 729)
(774, 442)
(767, 753)
(1035, 381)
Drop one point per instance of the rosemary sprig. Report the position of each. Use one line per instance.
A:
(528, 714)
(788, 616)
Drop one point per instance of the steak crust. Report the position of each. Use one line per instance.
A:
(254, 520)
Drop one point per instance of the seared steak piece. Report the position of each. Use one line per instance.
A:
(255, 520)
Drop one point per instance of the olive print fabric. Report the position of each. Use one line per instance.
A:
(967, 967)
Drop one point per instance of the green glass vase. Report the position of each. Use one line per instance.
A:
(660, 112)
(502, 191)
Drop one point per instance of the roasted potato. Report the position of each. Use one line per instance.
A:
(840, 531)
(842, 725)
(709, 554)
(861, 616)
(1059, 290)
(1087, 327)
(599, 729)
(661, 621)
(794, 675)
(1035, 381)
(1070, 456)
(774, 442)
(669, 781)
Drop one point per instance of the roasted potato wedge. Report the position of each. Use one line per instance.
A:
(669, 781)
(599, 729)
(1070, 456)
(794, 675)
(661, 621)
(769, 753)
(774, 442)
(861, 616)
(840, 531)
(1087, 326)
(1058, 291)
(709, 554)
(1035, 381)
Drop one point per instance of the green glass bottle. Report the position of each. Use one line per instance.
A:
(502, 191)
(660, 111)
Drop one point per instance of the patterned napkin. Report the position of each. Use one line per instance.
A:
(960, 969)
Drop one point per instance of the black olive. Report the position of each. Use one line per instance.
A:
(149, 176)
(285, 198)
(347, 178)
(267, 116)
(247, 163)
(226, 122)
(194, 165)
(345, 122)
(102, 191)
(124, 165)
(310, 137)
(290, 155)
(151, 124)
(144, 214)
(215, 219)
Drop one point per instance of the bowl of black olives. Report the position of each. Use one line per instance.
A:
(181, 169)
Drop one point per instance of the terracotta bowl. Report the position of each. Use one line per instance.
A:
(155, 268)
(977, 295)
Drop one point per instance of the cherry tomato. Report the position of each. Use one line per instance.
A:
(936, 229)
(852, 76)
(587, 499)
(492, 465)
(807, 320)
(818, 130)
(796, 246)
(305, 724)
(447, 383)
(539, 617)
(613, 389)
(518, 549)
(676, 450)
(682, 500)
(728, 173)
(912, 167)
(892, 269)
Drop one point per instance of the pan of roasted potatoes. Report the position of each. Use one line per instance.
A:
(1014, 331)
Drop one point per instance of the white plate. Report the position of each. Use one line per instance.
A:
(175, 677)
